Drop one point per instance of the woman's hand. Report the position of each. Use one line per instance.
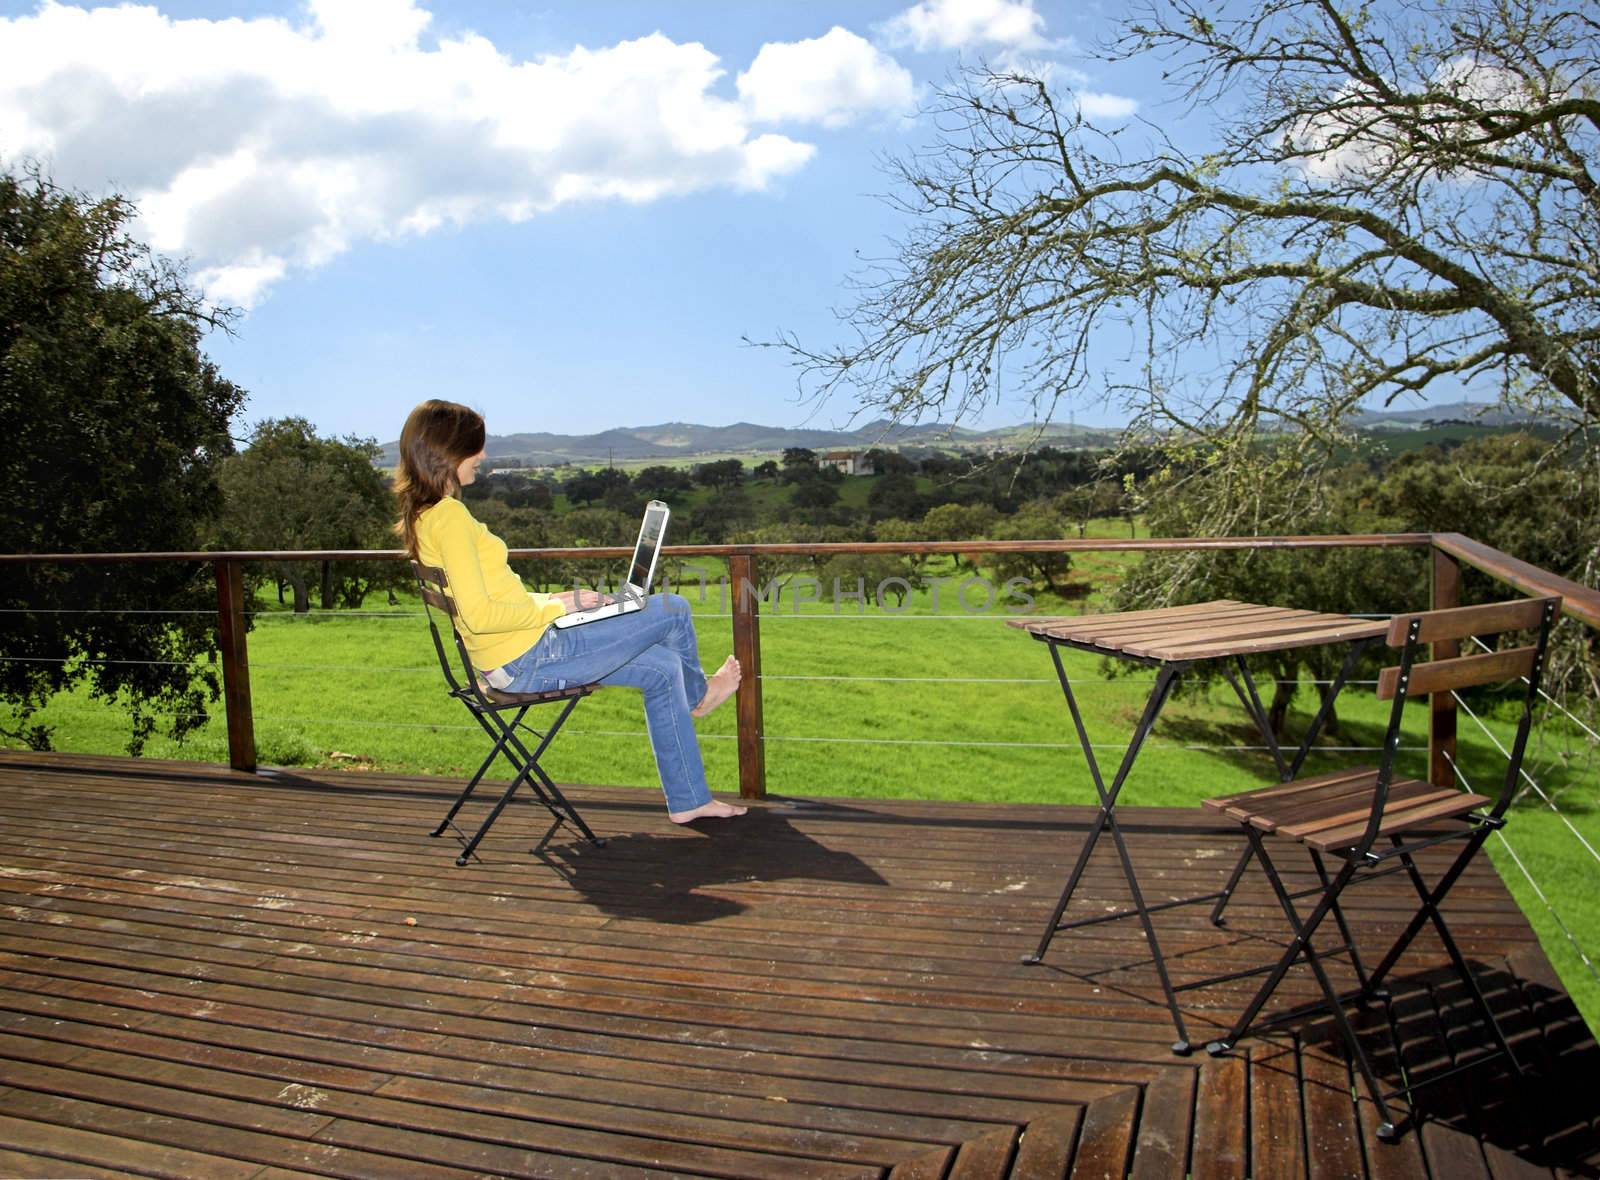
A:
(575, 600)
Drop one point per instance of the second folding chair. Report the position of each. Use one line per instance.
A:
(1376, 823)
(500, 715)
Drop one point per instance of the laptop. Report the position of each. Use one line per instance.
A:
(641, 573)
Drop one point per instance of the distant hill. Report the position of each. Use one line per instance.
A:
(1477, 413)
(677, 441)
(669, 441)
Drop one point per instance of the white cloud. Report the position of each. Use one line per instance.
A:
(1011, 33)
(1354, 139)
(264, 146)
(968, 24)
(1095, 105)
(832, 80)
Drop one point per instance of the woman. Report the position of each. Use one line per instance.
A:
(507, 629)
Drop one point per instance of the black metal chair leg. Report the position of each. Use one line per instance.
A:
(1420, 918)
(1344, 927)
(1431, 909)
(483, 769)
(1302, 933)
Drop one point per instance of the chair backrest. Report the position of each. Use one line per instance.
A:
(1413, 677)
(435, 588)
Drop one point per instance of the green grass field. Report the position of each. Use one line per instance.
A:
(913, 704)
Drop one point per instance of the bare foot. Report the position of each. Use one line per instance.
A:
(716, 809)
(723, 684)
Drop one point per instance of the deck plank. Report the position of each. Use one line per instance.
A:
(209, 973)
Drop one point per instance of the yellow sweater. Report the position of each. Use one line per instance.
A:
(497, 616)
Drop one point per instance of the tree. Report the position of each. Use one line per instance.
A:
(799, 463)
(875, 576)
(114, 423)
(725, 511)
(895, 495)
(766, 469)
(722, 473)
(290, 489)
(588, 486)
(1392, 197)
(961, 522)
(885, 462)
(814, 493)
(1036, 521)
(662, 483)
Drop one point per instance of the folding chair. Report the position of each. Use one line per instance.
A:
(489, 707)
(1370, 819)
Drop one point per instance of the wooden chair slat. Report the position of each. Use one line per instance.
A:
(431, 574)
(1491, 619)
(1272, 816)
(1282, 790)
(1463, 672)
(438, 601)
(1350, 808)
(1420, 812)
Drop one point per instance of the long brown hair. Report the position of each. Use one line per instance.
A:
(436, 438)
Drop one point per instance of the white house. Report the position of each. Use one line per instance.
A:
(846, 462)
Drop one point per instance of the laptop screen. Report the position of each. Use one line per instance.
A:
(649, 544)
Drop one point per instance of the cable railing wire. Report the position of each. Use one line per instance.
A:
(1562, 709)
(1532, 782)
(1532, 883)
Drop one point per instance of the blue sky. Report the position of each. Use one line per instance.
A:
(419, 275)
(566, 214)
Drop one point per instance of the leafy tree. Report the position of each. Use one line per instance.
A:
(960, 522)
(290, 489)
(799, 463)
(889, 462)
(724, 512)
(905, 532)
(767, 469)
(624, 498)
(532, 494)
(866, 573)
(1037, 521)
(1393, 197)
(589, 528)
(1512, 491)
(814, 493)
(114, 423)
(663, 483)
(895, 495)
(723, 473)
(589, 486)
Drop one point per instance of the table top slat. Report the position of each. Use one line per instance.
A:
(1122, 634)
(1324, 630)
(1203, 631)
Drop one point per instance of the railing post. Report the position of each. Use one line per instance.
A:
(1442, 705)
(747, 650)
(235, 665)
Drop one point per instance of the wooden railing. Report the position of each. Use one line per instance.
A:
(1450, 551)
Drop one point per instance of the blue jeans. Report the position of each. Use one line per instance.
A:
(652, 649)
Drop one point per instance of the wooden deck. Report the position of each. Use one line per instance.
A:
(207, 974)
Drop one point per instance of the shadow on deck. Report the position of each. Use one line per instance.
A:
(205, 974)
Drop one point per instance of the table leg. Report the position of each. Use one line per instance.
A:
(1105, 819)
